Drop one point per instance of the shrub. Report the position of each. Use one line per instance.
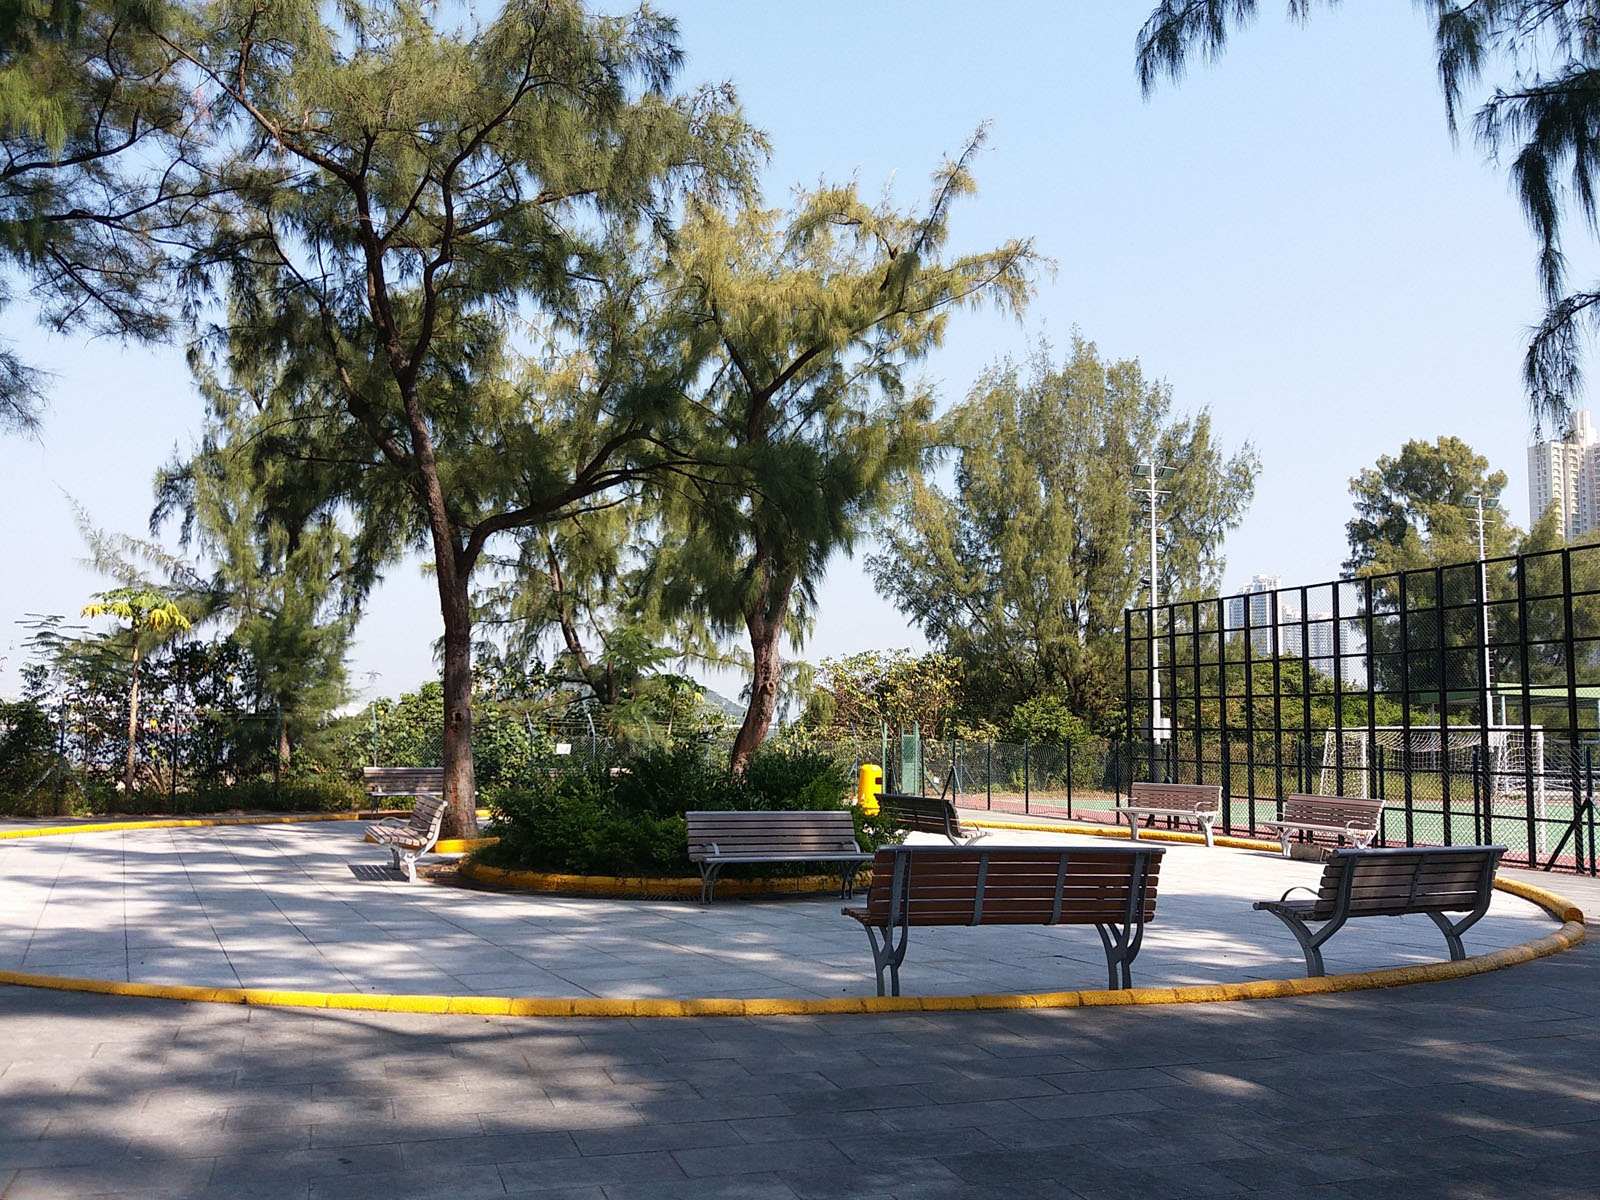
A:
(627, 818)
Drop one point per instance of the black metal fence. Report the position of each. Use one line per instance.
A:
(1467, 696)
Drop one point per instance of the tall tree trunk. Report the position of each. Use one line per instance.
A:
(460, 776)
(765, 623)
(133, 719)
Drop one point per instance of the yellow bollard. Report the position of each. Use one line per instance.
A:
(869, 786)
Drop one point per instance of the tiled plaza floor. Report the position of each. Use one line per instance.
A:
(312, 907)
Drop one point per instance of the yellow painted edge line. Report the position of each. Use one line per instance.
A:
(1569, 935)
(1095, 829)
(641, 885)
(365, 814)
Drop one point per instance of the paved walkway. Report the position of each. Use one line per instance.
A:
(311, 907)
(1477, 1088)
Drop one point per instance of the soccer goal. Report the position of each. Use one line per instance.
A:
(1518, 758)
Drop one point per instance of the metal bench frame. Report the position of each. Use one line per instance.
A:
(1360, 818)
(1377, 874)
(888, 932)
(765, 838)
(1197, 802)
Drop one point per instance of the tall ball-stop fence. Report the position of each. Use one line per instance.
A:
(1466, 696)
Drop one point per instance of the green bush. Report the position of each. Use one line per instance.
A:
(627, 818)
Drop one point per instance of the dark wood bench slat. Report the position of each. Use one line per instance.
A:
(718, 838)
(1112, 888)
(1199, 803)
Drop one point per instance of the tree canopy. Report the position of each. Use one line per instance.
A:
(414, 192)
(815, 321)
(1023, 567)
(1416, 509)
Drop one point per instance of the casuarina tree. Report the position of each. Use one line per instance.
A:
(435, 306)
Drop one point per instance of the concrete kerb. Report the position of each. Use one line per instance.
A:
(1572, 933)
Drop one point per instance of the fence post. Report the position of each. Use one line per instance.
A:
(1069, 778)
(988, 775)
(1025, 807)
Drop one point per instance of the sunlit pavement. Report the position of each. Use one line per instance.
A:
(1481, 1087)
(311, 907)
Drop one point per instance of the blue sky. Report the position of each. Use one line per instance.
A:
(1288, 238)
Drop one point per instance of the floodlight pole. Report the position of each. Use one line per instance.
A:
(1149, 475)
(1480, 502)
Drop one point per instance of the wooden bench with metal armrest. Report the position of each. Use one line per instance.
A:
(1342, 816)
(717, 839)
(1200, 803)
(1112, 888)
(1391, 883)
(926, 814)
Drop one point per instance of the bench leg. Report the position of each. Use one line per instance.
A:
(1452, 935)
(888, 952)
(1283, 837)
(1205, 828)
(847, 882)
(1310, 943)
(708, 880)
(407, 861)
(1362, 839)
(1133, 824)
(1117, 958)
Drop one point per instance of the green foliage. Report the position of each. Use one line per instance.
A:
(93, 179)
(860, 693)
(1024, 569)
(627, 818)
(816, 319)
(1047, 720)
(1416, 510)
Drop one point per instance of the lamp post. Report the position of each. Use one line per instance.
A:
(1481, 504)
(1148, 476)
(372, 678)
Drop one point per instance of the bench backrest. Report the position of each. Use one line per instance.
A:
(427, 814)
(1333, 810)
(1409, 880)
(1013, 885)
(403, 781)
(796, 834)
(1199, 797)
(920, 814)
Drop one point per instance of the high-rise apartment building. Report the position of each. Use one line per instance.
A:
(1566, 473)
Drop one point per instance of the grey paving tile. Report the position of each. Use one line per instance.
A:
(605, 1170)
(461, 1182)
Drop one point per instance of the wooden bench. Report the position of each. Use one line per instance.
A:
(380, 782)
(1340, 815)
(719, 838)
(1112, 888)
(1197, 802)
(1392, 883)
(410, 838)
(926, 814)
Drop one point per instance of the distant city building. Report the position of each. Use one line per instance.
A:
(1257, 599)
(1566, 473)
(1312, 637)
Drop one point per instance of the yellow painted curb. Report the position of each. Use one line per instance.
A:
(1095, 829)
(623, 886)
(463, 845)
(1569, 935)
(365, 814)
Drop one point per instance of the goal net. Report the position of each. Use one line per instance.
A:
(1506, 763)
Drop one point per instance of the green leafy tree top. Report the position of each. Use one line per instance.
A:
(1416, 509)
